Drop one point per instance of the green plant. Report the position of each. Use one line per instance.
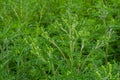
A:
(106, 73)
(59, 39)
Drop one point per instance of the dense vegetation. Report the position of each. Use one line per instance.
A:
(59, 39)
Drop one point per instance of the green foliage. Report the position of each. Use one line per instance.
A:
(106, 73)
(59, 40)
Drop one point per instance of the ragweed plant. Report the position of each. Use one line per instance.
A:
(106, 73)
(59, 39)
